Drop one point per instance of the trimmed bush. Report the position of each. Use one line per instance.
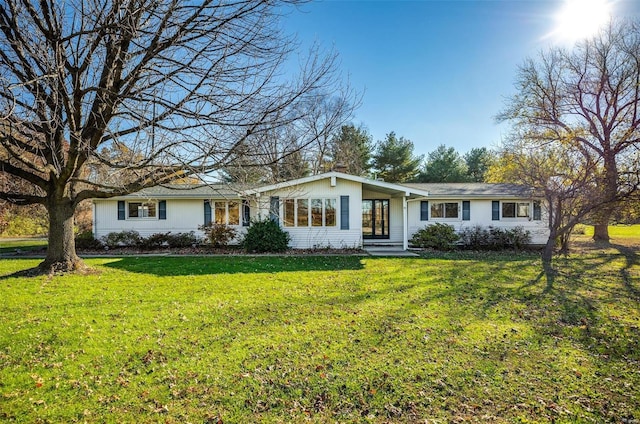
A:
(181, 240)
(86, 241)
(435, 236)
(155, 241)
(128, 238)
(265, 236)
(494, 238)
(218, 234)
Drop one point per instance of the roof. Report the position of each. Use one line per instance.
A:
(380, 185)
(189, 191)
(440, 190)
(479, 190)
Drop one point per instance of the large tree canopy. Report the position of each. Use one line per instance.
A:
(174, 87)
(586, 100)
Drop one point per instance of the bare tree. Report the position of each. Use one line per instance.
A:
(587, 100)
(176, 88)
(566, 179)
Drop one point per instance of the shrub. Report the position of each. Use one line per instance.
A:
(180, 240)
(218, 234)
(155, 241)
(518, 237)
(86, 241)
(494, 238)
(265, 236)
(476, 237)
(128, 238)
(436, 236)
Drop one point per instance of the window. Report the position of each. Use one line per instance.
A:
(226, 213)
(309, 212)
(444, 210)
(234, 213)
(330, 212)
(303, 212)
(289, 212)
(142, 209)
(316, 212)
(515, 209)
(220, 212)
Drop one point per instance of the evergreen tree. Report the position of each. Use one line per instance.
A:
(394, 160)
(352, 149)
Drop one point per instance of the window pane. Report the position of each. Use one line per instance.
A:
(523, 210)
(234, 213)
(451, 210)
(508, 210)
(150, 209)
(289, 208)
(316, 212)
(330, 212)
(437, 210)
(220, 212)
(142, 210)
(303, 213)
(133, 209)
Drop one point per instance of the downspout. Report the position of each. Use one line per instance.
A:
(405, 223)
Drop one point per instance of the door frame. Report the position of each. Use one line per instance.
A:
(374, 235)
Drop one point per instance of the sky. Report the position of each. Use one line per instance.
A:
(438, 71)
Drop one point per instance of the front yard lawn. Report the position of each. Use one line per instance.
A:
(454, 337)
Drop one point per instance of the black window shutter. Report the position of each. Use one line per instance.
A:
(344, 212)
(424, 210)
(207, 212)
(121, 210)
(466, 210)
(274, 208)
(162, 209)
(495, 210)
(246, 213)
(537, 211)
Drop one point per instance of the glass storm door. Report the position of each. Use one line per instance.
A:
(375, 219)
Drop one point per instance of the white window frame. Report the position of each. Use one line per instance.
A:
(444, 212)
(309, 206)
(517, 204)
(142, 204)
(226, 211)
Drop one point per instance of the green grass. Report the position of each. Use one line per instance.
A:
(616, 231)
(450, 338)
(10, 245)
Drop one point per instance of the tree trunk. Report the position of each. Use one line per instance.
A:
(547, 257)
(609, 190)
(61, 251)
(601, 226)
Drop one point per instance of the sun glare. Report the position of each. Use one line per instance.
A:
(580, 19)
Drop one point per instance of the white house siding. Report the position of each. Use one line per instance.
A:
(320, 237)
(480, 214)
(396, 229)
(183, 216)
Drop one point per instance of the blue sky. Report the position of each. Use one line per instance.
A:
(435, 72)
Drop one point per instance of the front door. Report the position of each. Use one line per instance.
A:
(375, 218)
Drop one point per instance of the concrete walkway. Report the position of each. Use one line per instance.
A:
(389, 251)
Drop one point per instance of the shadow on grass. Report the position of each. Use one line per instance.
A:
(177, 266)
